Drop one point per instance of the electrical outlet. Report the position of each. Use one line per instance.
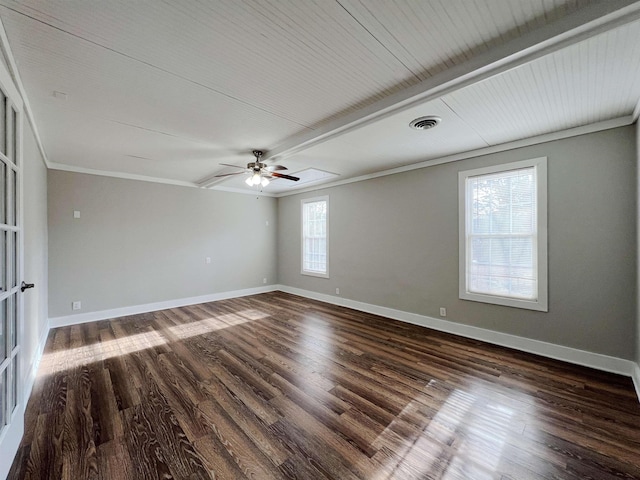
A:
(76, 305)
(443, 312)
(337, 291)
(76, 214)
(264, 280)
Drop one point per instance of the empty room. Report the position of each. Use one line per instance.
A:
(319, 239)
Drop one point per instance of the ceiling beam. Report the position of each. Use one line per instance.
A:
(592, 20)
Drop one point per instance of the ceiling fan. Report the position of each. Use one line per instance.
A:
(259, 173)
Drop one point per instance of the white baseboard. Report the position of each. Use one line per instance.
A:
(120, 312)
(636, 378)
(545, 349)
(152, 307)
(550, 350)
(33, 370)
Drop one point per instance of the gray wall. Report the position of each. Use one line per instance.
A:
(137, 242)
(394, 243)
(35, 247)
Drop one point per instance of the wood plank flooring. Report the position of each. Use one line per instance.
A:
(276, 386)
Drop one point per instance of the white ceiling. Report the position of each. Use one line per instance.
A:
(168, 91)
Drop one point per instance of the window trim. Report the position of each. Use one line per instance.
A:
(541, 303)
(312, 273)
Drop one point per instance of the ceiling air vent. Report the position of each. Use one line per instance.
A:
(425, 123)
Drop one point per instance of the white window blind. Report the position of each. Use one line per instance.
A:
(314, 236)
(503, 254)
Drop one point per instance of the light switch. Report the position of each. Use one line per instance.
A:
(76, 214)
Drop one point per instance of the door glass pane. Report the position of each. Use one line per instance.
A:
(14, 197)
(14, 383)
(9, 133)
(3, 330)
(3, 192)
(3, 260)
(3, 120)
(14, 136)
(3, 397)
(9, 258)
(9, 193)
(14, 259)
(12, 321)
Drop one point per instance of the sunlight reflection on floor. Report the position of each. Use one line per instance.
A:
(61, 360)
(483, 432)
(314, 344)
(464, 439)
(58, 361)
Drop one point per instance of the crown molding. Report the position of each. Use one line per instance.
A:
(145, 178)
(243, 191)
(127, 176)
(525, 142)
(547, 137)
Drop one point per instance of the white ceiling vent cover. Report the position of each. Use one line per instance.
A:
(425, 123)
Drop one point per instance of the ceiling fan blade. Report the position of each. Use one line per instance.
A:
(282, 175)
(234, 166)
(276, 167)
(229, 174)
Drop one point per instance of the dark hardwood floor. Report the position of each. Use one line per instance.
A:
(277, 386)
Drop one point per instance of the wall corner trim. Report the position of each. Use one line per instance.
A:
(635, 376)
(558, 352)
(67, 320)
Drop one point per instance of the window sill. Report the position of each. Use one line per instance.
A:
(314, 274)
(539, 305)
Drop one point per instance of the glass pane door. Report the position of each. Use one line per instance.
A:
(11, 410)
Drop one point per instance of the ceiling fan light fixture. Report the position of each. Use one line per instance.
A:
(259, 173)
(425, 123)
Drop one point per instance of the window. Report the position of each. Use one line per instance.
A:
(503, 234)
(315, 216)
